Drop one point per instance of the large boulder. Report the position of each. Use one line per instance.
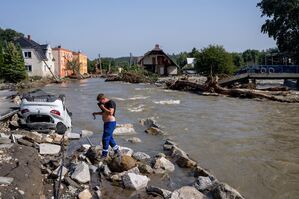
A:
(158, 191)
(146, 169)
(86, 133)
(72, 136)
(134, 140)
(56, 172)
(162, 165)
(224, 191)
(187, 192)
(124, 129)
(154, 131)
(205, 184)
(6, 180)
(34, 136)
(134, 181)
(199, 171)
(126, 151)
(85, 194)
(122, 164)
(118, 176)
(182, 158)
(49, 149)
(168, 145)
(93, 153)
(81, 173)
(140, 156)
(148, 122)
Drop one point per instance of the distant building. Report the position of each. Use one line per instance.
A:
(38, 58)
(189, 67)
(158, 62)
(63, 56)
(82, 59)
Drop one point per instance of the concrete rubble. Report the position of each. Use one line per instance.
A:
(83, 173)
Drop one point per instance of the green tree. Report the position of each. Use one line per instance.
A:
(181, 59)
(282, 24)
(238, 59)
(1, 61)
(13, 68)
(91, 65)
(214, 60)
(194, 53)
(251, 57)
(74, 65)
(9, 35)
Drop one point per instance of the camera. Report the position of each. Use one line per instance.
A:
(100, 104)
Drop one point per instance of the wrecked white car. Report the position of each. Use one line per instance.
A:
(44, 112)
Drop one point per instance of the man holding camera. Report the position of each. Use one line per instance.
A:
(108, 108)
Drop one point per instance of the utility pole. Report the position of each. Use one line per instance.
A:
(130, 63)
(100, 63)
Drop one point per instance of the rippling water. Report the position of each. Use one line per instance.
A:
(251, 145)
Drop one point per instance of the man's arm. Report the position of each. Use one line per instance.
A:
(110, 111)
(97, 113)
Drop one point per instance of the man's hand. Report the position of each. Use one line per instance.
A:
(94, 115)
(102, 107)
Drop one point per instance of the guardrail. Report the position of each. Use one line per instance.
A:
(269, 69)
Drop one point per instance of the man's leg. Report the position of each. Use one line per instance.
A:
(105, 140)
(112, 142)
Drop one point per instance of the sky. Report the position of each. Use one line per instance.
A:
(114, 28)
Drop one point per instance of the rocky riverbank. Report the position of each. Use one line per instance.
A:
(27, 84)
(31, 164)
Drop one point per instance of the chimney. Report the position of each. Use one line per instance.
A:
(59, 46)
(157, 47)
(29, 37)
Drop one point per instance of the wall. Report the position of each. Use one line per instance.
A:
(50, 62)
(172, 70)
(34, 61)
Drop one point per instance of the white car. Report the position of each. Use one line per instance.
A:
(44, 112)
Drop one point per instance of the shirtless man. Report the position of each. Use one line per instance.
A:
(108, 108)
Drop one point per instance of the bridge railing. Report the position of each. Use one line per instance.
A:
(269, 69)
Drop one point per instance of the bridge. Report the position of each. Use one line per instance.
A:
(264, 72)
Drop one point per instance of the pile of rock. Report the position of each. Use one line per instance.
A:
(152, 127)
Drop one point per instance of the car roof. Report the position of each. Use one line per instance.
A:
(38, 95)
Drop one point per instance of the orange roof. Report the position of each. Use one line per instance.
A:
(62, 49)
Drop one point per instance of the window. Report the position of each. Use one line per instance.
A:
(28, 68)
(27, 54)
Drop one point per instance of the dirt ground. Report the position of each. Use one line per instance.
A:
(23, 164)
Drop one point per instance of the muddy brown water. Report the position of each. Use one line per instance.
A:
(251, 145)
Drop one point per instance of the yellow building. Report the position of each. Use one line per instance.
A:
(82, 60)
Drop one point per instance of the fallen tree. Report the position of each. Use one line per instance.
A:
(212, 86)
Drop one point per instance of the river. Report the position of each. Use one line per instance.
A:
(251, 145)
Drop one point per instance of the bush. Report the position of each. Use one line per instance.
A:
(215, 60)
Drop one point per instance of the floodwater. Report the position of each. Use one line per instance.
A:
(251, 145)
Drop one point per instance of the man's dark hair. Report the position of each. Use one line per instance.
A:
(100, 96)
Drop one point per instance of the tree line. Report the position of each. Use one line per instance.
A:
(215, 59)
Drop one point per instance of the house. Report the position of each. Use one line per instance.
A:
(189, 67)
(63, 56)
(82, 59)
(158, 62)
(39, 60)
